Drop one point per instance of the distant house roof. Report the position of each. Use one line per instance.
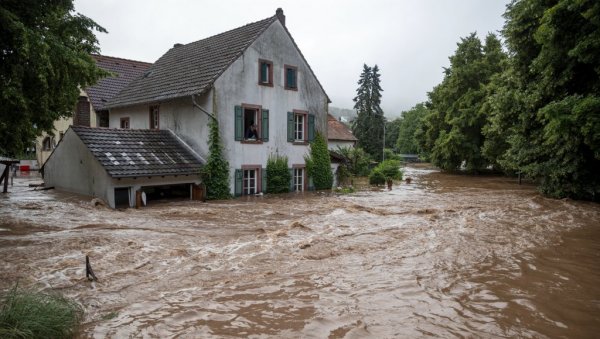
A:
(125, 71)
(192, 68)
(337, 131)
(139, 152)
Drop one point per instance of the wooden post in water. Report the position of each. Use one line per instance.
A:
(89, 273)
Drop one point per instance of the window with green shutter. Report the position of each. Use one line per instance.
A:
(311, 127)
(291, 77)
(265, 72)
(301, 126)
(265, 125)
(239, 124)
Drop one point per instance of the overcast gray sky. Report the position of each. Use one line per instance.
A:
(409, 40)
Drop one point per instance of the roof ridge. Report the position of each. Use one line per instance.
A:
(112, 57)
(231, 30)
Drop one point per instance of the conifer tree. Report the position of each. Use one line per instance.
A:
(369, 124)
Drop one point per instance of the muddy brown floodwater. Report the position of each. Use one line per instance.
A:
(443, 256)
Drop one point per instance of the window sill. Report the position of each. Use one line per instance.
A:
(300, 143)
(266, 84)
(251, 141)
(295, 89)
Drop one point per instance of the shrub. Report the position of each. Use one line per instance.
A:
(318, 163)
(376, 177)
(357, 159)
(28, 314)
(386, 170)
(278, 174)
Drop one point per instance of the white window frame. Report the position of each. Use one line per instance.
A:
(249, 184)
(299, 127)
(298, 179)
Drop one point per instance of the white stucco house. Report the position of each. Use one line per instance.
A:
(251, 75)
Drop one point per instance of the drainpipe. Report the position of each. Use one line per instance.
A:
(202, 109)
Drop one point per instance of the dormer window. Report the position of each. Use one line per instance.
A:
(291, 77)
(265, 72)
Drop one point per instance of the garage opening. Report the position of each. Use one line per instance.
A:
(122, 197)
(167, 192)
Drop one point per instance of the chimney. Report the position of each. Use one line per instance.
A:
(177, 45)
(280, 16)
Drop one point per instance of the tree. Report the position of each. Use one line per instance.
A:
(392, 129)
(554, 133)
(453, 126)
(318, 163)
(44, 60)
(410, 122)
(215, 173)
(369, 124)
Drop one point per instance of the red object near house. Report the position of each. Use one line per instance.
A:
(24, 168)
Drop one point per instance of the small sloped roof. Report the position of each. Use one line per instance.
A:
(336, 130)
(125, 71)
(139, 152)
(190, 69)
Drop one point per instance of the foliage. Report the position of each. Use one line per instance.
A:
(29, 314)
(389, 154)
(345, 190)
(343, 173)
(215, 173)
(453, 125)
(409, 125)
(386, 170)
(369, 123)
(318, 163)
(357, 160)
(553, 133)
(376, 178)
(392, 130)
(278, 174)
(45, 60)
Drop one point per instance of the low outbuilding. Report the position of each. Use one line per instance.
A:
(124, 167)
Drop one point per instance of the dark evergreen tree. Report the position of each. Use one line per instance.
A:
(369, 125)
(44, 60)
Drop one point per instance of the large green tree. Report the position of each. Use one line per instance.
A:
(44, 59)
(453, 126)
(549, 102)
(368, 127)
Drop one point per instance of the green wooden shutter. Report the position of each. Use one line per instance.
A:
(292, 181)
(264, 179)
(311, 184)
(311, 127)
(294, 81)
(239, 124)
(290, 126)
(265, 125)
(238, 182)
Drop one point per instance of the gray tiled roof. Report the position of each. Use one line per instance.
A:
(125, 71)
(139, 153)
(190, 69)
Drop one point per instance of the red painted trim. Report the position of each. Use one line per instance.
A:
(258, 123)
(285, 80)
(270, 63)
(305, 113)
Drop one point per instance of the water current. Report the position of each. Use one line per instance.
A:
(446, 256)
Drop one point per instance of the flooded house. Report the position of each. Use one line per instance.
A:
(253, 80)
(124, 167)
(90, 109)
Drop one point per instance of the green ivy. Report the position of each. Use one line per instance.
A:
(318, 163)
(215, 174)
(278, 174)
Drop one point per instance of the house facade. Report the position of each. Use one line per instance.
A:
(253, 80)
